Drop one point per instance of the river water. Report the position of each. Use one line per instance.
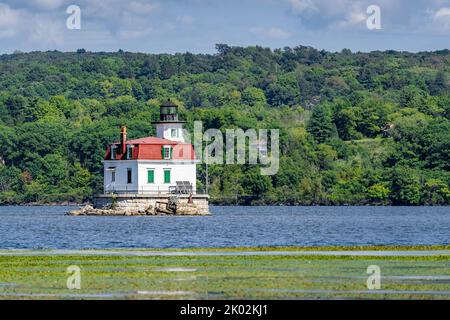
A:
(50, 228)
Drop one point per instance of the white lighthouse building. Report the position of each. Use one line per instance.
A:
(163, 164)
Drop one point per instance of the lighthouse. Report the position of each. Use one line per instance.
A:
(164, 164)
(169, 126)
(151, 175)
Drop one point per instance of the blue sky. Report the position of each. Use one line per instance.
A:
(197, 25)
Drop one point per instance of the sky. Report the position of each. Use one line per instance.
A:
(169, 26)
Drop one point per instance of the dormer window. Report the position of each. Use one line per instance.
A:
(113, 152)
(167, 152)
(129, 152)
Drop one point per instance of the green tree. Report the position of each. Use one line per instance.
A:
(346, 123)
(379, 194)
(412, 97)
(437, 192)
(256, 184)
(321, 124)
(406, 189)
(254, 97)
(9, 178)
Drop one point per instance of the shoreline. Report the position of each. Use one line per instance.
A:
(51, 204)
(231, 250)
(73, 204)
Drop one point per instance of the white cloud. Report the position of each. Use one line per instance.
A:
(47, 33)
(135, 34)
(138, 7)
(299, 6)
(441, 18)
(49, 4)
(31, 27)
(273, 33)
(8, 17)
(113, 10)
(186, 19)
(443, 13)
(356, 16)
(399, 16)
(322, 7)
(324, 14)
(8, 21)
(40, 24)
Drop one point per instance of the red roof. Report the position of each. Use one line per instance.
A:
(150, 140)
(150, 148)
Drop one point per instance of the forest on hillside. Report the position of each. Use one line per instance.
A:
(355, 128)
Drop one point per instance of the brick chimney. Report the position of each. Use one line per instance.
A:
(123, 140)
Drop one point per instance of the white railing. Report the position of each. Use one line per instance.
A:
(124, 189)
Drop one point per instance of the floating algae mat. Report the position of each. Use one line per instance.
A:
(257, 274)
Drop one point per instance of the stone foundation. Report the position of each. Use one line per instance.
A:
(145, 205)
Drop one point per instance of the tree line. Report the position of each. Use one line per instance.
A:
(355, 128)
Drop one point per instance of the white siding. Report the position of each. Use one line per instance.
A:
(180, 171)
(121, 176)
(164, 131)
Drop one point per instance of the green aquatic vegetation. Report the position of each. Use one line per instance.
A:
(291, 248)
(220, 277)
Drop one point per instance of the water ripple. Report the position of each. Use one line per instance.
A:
(50, 228)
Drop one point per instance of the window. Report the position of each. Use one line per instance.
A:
(166, 176)
(129, 152)
(113, 173)
(113, 152)
(150, 176)
(174, 133)
(129, 176)
(167, 152)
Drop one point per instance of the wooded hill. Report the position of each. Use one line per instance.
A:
(355, 128)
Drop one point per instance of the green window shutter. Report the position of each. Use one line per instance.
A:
(151, 176)
(166, 176)
(162, 152)
(170, 152)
